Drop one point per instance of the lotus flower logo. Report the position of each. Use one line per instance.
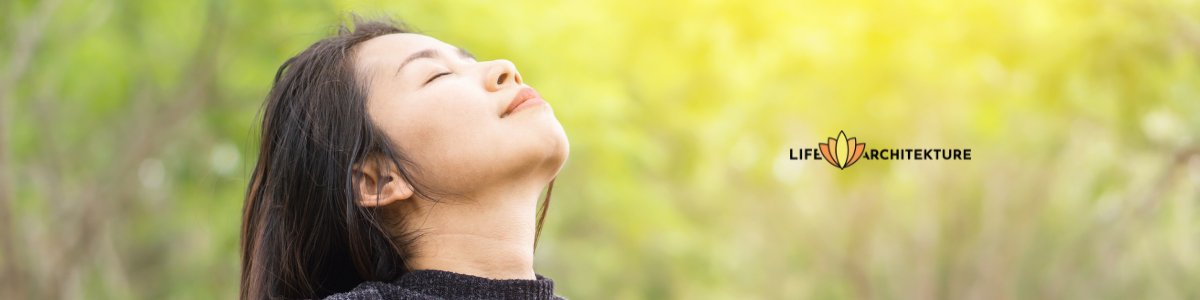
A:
(844, 152)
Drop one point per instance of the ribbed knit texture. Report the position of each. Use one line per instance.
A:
(435, 284)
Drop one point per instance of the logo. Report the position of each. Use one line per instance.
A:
(843, 152)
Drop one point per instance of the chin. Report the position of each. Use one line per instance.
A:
(560, 153)
(552, 147)
(556, 148)
(545, 148)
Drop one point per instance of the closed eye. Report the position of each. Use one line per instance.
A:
(436, 77)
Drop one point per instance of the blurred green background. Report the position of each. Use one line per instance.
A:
(127, 135)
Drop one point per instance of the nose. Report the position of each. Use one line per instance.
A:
(500, 74)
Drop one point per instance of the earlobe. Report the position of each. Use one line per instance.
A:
(378, 187)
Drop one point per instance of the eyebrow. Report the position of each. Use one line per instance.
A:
(430, 53)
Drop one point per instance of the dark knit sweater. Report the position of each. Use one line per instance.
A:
(435, 284)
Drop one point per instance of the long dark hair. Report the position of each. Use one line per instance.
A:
(303, 233)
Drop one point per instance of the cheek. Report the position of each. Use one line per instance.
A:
(459, 142)
(447, 133)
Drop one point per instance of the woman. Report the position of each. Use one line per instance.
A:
(396, 166)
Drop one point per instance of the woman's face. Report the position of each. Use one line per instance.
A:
(452, 116)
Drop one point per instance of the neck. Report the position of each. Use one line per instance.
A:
(489, 235)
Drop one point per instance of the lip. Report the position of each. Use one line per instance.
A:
(526, 97)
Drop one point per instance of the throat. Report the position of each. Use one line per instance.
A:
(476, 255)
(488, 237)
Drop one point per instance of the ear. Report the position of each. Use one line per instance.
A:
(379, 183)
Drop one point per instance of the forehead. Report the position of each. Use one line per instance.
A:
(392, 49)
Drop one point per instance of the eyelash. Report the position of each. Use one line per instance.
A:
(436, 77)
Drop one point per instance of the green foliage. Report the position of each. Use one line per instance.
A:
(128, 134)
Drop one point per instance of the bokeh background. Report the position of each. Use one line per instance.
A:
(127, 132)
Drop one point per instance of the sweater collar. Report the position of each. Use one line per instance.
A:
(457, 286)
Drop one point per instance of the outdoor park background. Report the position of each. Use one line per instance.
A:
(126, 137)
